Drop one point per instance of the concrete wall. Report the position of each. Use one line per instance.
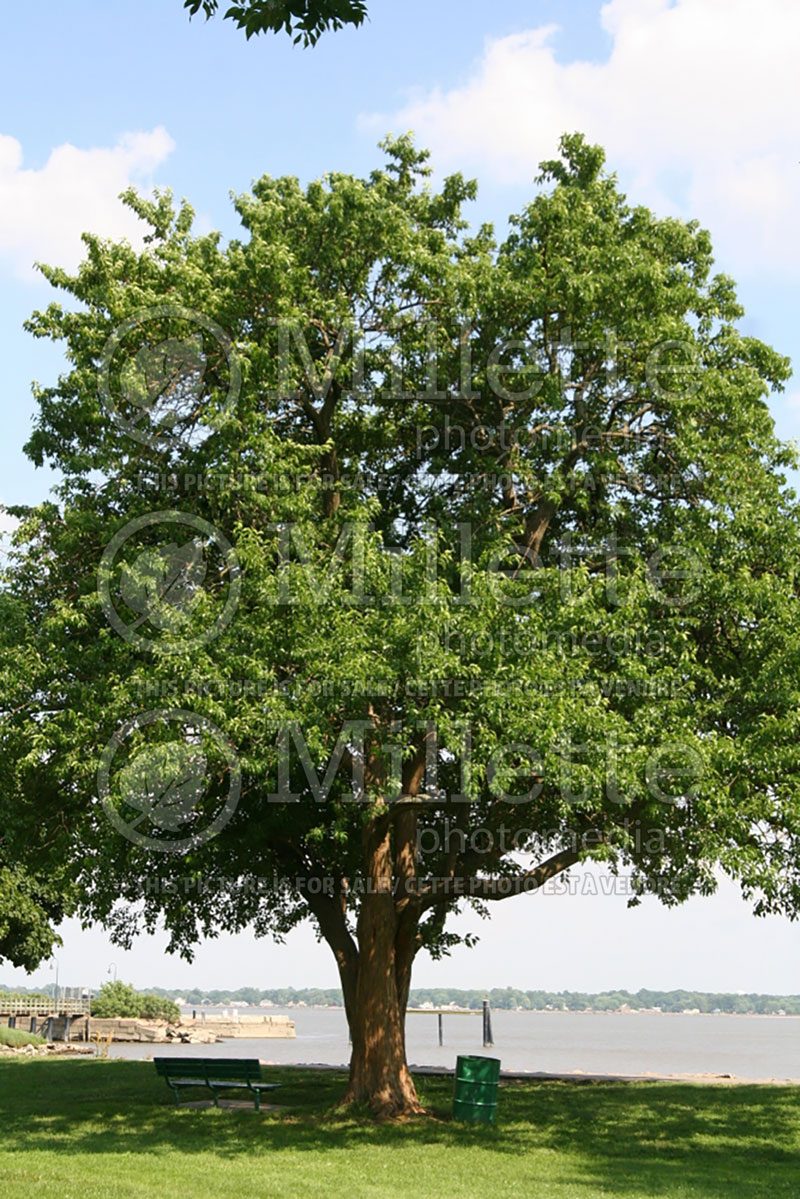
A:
(86, 1028)
(252, 1027)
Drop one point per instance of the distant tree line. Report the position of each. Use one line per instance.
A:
(501, 998)
(510, 998)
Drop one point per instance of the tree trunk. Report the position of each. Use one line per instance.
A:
(379, 1074)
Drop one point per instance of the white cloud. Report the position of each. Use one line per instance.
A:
(696, 106)
(43, 212)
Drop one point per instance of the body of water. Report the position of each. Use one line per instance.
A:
(553, 1042)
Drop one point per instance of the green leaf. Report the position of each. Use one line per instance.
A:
(165, 783)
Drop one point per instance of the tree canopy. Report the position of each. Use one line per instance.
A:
(397, 568)
(117, 1000)
(31, 907)
(304, 20)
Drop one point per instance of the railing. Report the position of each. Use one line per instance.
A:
(42, 1006)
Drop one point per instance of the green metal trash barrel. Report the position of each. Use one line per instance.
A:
(475, 1090)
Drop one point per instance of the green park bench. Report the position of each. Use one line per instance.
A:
(215, 1074)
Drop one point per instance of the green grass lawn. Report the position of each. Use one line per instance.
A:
(78, 1128)
(16, 1036)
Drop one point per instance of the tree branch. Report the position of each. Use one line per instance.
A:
(499, 888)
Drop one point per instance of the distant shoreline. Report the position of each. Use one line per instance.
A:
(330, 1007)
(677, 1002)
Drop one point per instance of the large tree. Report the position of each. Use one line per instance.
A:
(395, 570)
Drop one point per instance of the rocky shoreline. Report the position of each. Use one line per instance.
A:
(88, 1029)
(49, 1049)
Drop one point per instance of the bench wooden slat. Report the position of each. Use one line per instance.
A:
(215, 1074)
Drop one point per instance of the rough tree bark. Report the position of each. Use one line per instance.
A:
(379, 1074)
(375, 964)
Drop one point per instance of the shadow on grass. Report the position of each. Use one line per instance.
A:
(645, 1138)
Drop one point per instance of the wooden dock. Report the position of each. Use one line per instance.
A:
(42, 1005)
(51, 1018)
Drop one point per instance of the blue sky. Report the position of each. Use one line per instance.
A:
(697, 115)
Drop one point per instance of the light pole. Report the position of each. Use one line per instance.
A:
(112, 969)
(54, 966)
